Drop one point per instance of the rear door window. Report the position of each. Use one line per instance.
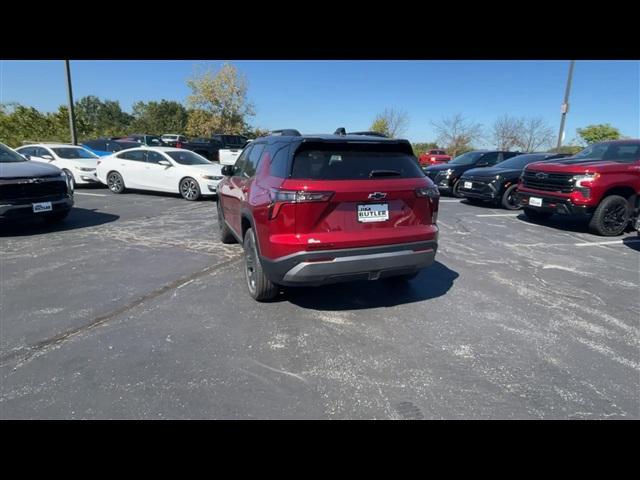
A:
(279, 153)
(354, 162)
(251, 165)
(135, 155)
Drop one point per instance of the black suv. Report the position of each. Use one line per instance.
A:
(447, 175)
(498, 184)
(32, 189)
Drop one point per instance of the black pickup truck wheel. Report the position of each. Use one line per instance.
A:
(611, 217)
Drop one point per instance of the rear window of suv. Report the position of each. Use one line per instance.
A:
(354, 162)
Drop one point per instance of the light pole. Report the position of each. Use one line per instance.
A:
(565, 106)
(72, 117)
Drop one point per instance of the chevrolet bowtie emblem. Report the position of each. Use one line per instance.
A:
(377, 196)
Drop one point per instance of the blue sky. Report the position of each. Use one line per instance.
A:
(319, 96)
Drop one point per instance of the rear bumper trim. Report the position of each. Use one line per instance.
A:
(368, 263)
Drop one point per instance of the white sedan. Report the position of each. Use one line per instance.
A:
(160, 169)
(77, 162)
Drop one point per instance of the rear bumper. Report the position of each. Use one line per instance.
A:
(333, 266)
(10, 209)
(554, 204)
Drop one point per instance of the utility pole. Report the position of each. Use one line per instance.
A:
(72, 117)
(565, 106)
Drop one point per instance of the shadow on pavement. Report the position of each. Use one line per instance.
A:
(432, 282)
(633, 242)
(77, 218)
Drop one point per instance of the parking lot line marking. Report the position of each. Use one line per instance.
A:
(92, 194)
(447, 200)
(499, 215)
(612, 242)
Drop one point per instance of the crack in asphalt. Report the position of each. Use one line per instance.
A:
(28, 352)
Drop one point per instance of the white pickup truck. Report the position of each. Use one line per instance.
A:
(228, 156)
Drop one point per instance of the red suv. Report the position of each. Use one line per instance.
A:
(602, 181)
(318, 209)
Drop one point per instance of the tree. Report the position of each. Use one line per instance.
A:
(158, 118)
(598, 133)
(255, 132)
(218, 102)
(96, 118)
(507, 132)
(392, 123)
(535, 134)
(570, 149)
(19, 123)
(457, 134)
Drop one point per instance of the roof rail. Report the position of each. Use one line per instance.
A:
(289, 132)
(371, 134)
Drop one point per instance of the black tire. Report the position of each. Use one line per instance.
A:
(57, 216)
(70, 175)
(537, 215)
(115, 182)
(611, 216)
(225, 232)
(189, 189)
(456, 193)
(259, 286)
(509, 199)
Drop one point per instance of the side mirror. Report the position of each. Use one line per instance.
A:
(228, 170)
(48, 157)
(26, 157)
(166, 163)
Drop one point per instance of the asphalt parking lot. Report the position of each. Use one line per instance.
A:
(133, 309)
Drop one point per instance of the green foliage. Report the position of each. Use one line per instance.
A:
(218, 102)
(598, 133)
(570, 149)
(159, 118)
(392, 123)
(97, 118)
(419, 148)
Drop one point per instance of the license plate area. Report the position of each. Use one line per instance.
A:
(373, 212)
(468, 185)
(42, 207)
(535, 201)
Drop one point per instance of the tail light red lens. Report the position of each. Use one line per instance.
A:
(280, 197)
(178, 145)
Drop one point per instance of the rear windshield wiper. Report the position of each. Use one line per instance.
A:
(384, 173)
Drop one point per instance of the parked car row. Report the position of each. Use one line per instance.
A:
(317, 209)
(602, 182)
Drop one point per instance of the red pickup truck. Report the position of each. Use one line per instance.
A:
(602, 181)
(433, 157)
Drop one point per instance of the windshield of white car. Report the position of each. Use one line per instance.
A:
(74, 153)
(9, 156)
(187, 157)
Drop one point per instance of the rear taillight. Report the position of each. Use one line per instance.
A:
(178, 145)
(281, 197)
(433, 195)
(431, 192)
